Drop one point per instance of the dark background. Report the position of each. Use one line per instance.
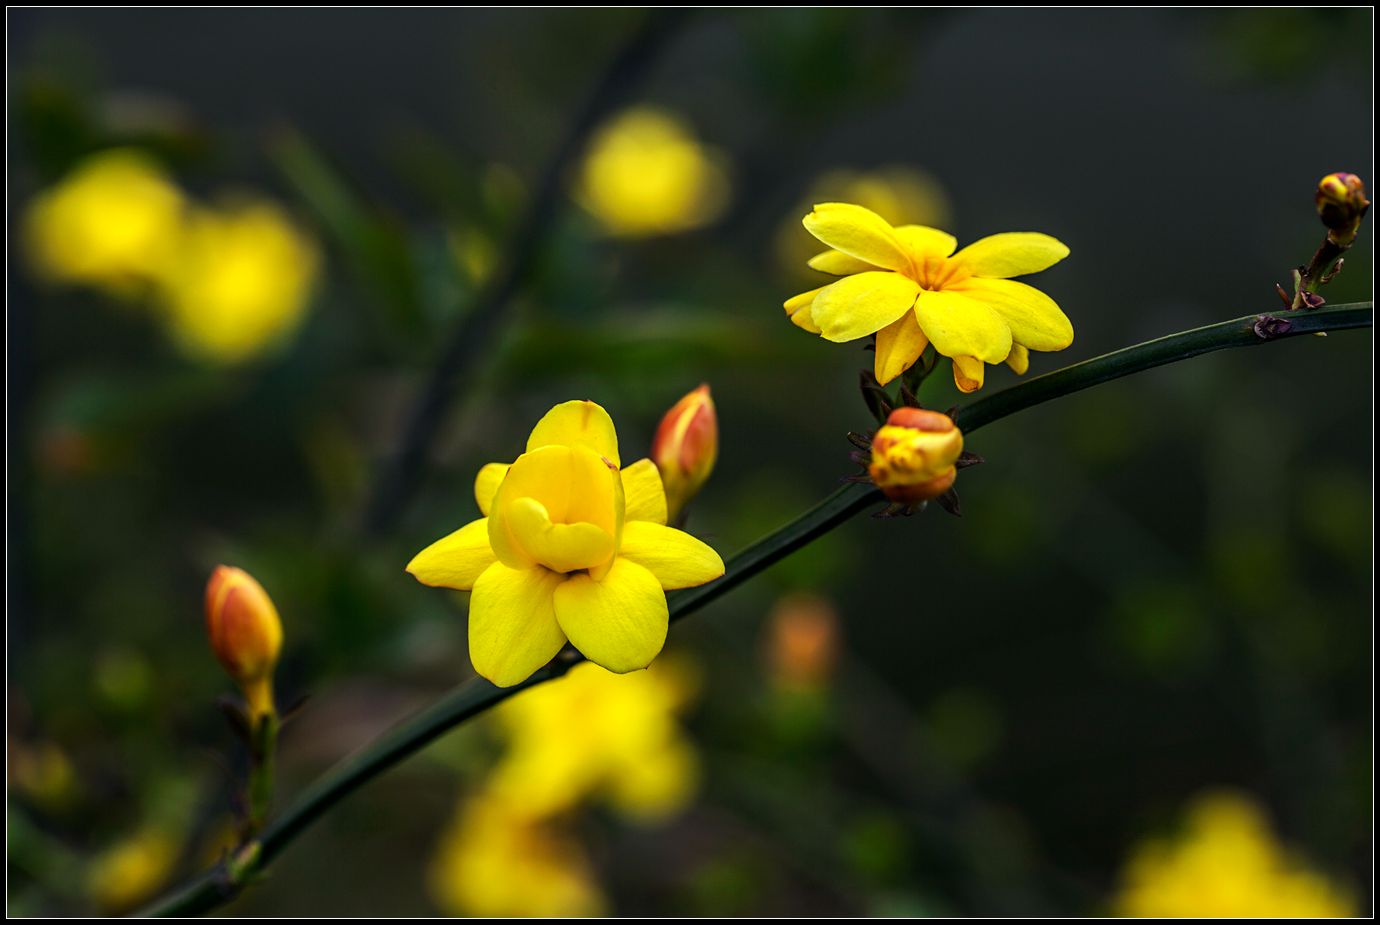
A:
(1158, 587)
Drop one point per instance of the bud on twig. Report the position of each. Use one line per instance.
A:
(246, 635)
(1342, 203)
(914, 455)
(685, 448)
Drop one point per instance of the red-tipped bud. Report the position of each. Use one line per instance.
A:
(1342, 203)
(246, 634)
(685, 448)
(913, 455)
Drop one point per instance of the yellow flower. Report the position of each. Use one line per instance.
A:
(907, 286)
(596, 733)
(913, 455)
(498, 860)
(685, 448)
(246, 634)
(113, 222)
(646, 174)
(1226, 863)
(570, 548)
(241, 281)
(131, 871)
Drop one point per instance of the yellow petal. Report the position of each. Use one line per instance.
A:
(577, 423)
(654, 784)
(798, 310)
(838, 263)
(862, 304)
(959, 326)
(1014, 253)
(1034, 318)
(559, 547)
(926, 243)
(486, 484)
(1019, 360)
(513, 628)
(675, 558)
(968, 373)
(644, 495)
(620, 622)
(899, 345)
(455, 561)
(857, 232)
(574, 484)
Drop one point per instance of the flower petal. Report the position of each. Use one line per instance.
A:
(1014, 253)
(486, 484)
(857, 232)
(620, 622)
(959, 326)
(1019, 359)
(899, 345)
(513, 628)
(1036, 321)
(968, 373)
(573, 484)
(577, 423)
(798, 310)
(644, 495)
(559, 547)
(862, 304)
(925, 243)
(675, 558)
(457, 560)
(838, 263)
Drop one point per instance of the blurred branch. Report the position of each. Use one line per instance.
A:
(473, 335)
(474, 697)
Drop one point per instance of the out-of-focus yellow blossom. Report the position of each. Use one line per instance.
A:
(593, 733)
(646, 174)
(913, 455)
(114, 222)
(240, 281)
(1226, 863)
(906, 285)
(898, 193)
(246, 634)
(802, 642)
(497, 859)
(570, 548)
(686, 447)
(43, 773)
(131, 871)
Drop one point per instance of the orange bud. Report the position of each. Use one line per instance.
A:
(802, 641)
(246, 634)
(685, 448)
(913, 455)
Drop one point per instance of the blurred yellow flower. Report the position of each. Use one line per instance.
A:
(1226, 863)
(114, 222)
(43, 773)
(593, 733)
(570, 548)
(497, 860)
(897, 192)
(131, 871)
(240, 280)
(906, 285)
(646, 174)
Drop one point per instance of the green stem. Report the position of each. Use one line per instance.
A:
(474, 697)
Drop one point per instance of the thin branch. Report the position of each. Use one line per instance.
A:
(474, 697)
(455, 367)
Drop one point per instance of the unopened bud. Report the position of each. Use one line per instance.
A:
(1342, 203)
(685, 448)
(246, 634)
(802, 642)
(913, 455)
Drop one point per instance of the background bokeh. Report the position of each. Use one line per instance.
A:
(1159, 588)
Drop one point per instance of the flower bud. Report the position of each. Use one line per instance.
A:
(246, 634)
(1342, 202)
(802, 642)
(913, 455)
(686, 445)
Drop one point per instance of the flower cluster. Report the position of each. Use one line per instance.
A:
(907, 286)
(572, 547)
